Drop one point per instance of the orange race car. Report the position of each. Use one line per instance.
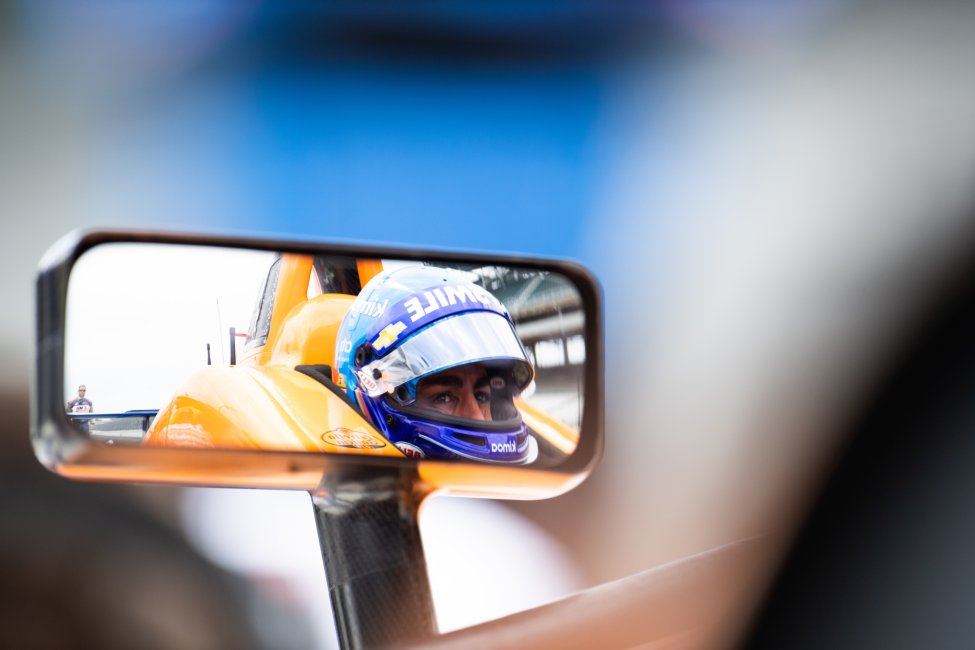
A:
(347, 355)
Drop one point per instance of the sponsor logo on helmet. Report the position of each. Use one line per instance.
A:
(504, 447)
(371, 308)
(410, 450)
(366, 381)
(352, 439)
(428, 302)
(388, 336)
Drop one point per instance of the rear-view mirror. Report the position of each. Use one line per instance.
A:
(249, 362)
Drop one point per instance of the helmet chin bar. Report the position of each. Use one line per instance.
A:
(437, 435)
(530, 457)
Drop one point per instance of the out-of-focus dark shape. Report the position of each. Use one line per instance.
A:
(885, 559)
(90, 566)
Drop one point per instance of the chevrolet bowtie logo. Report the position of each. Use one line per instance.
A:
(388, 336)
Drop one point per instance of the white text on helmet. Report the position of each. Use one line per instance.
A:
(504, 447)
(449, 294)
(370, 308)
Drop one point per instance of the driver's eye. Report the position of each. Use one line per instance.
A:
(444, 398)
(483, 396)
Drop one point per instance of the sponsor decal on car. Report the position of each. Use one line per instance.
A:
(352, 439)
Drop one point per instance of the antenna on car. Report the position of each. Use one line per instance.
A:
(208, 354)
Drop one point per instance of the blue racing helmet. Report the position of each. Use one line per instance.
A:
(433, 361)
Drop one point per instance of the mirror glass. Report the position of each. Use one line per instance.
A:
(211, 347)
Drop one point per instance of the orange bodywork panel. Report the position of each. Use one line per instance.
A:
(307, 335)
(564, 437)
(368, 269)
(494, 481)
(291, 292)
(274, 408)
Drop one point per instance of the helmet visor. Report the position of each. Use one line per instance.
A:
(466, 338)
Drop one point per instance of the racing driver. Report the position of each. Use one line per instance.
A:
(433, 361)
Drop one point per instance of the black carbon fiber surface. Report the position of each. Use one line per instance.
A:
(374, 562)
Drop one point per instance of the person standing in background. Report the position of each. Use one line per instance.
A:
(81, 404)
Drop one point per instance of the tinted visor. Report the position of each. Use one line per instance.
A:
(470, 337)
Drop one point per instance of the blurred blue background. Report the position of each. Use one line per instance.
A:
(418, 126)
(765, 190)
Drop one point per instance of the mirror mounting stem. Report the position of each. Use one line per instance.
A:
(373, 555)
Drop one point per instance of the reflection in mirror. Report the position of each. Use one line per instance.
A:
(208, 347)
